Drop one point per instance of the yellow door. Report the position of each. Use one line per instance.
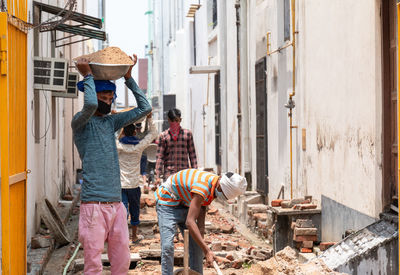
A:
(398, 86)
(13, 133)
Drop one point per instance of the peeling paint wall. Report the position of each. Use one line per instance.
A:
(338, 101)
(340, 106)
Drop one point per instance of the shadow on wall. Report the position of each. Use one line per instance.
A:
(337, 218)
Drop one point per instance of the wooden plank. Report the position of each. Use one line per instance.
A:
(186, 252)
(17, 178)
(156, 253)
(135, 257)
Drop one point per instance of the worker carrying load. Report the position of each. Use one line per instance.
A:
(102, 214)
(181, 201)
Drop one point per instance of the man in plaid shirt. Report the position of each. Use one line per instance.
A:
(175, 148)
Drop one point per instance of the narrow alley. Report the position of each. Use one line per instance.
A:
(267, 130)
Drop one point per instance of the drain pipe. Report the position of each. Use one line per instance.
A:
(239, 110)
(291, 103)
(204, 116)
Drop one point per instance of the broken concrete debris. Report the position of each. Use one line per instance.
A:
(285, 262)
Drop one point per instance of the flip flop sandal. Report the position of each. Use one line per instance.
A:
(140, 238)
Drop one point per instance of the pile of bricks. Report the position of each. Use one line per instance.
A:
(260, 220)
(304, 235)
(298, 204)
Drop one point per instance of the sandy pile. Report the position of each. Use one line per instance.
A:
(285, 263)
(109, 55)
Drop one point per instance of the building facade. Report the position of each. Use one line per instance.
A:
(230, 66)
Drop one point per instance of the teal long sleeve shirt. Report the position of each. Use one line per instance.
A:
(95, 140)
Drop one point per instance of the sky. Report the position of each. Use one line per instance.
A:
(126, 26)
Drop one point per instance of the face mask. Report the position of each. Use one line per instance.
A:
(219, 194)
(103, 107)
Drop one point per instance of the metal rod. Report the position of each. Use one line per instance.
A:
(292, 6)
(294, 46)
(279, 49)
(72, 42)
(62, 38)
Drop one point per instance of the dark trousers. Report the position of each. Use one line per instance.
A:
(131, 200)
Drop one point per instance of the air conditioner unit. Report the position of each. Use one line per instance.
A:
(71, 89)
(50, 73)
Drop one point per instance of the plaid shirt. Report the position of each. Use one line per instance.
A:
(173, 156)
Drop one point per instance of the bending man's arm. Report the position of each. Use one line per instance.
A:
(194, 213)
(89, 105)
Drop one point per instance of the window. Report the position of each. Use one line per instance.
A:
(286, 18)
(214, 13)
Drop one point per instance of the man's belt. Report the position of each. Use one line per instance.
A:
(99, 202)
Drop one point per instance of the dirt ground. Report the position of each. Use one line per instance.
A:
(239, 250)
(236, 247)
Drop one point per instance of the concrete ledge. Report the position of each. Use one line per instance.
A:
(38, 259)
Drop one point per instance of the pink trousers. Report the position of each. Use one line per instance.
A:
(99, 223)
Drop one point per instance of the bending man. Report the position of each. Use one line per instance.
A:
(181, 200)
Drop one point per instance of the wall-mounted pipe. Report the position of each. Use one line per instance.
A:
(204, 116)
(239, 109)
(293, 10)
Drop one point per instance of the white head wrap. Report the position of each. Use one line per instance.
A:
(233, 186)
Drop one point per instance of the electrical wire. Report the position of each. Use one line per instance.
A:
(47, 111)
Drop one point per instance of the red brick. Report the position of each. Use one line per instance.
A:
(230, 257)
(150, 202)
(305, 231)
(325, 245)
(227, 228)
(237, 263)
(260, 216)
(221, 260)
(308, 244)
(300, 238)
(276, 203)
(306, 250)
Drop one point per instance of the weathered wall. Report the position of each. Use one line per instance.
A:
(50, 160)
(338, 106)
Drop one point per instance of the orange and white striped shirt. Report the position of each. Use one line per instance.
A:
(180, 187)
